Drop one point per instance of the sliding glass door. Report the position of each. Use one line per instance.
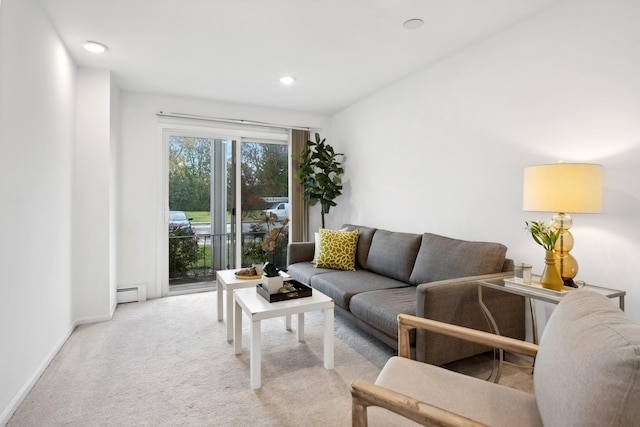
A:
(201, 207)
(264, 195)
(206, 188)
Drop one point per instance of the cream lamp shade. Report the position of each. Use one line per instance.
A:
(563, 187)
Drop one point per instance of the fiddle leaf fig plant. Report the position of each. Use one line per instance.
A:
(320, 173)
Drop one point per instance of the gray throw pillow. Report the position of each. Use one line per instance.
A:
(392, 254)
(441, 258)
(365, 236)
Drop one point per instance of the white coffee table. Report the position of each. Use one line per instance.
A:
(258, 309)
(227, 280)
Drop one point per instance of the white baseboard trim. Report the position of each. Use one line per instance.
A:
(95, 319)
(26, 388)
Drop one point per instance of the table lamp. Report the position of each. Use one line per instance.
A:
(563, 188)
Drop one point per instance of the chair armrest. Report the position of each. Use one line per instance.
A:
(366, 394)
(408, 322)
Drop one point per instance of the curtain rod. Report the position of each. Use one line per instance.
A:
(224, 120)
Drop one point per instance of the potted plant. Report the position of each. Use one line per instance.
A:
(320, 174)
(272, 281)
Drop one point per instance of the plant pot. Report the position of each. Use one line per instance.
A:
(272, 284)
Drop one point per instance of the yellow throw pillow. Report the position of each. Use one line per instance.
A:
(316, 239)
(337, 249)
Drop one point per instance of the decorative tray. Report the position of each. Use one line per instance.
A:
(257, 276)
(511, 283)
(300, 291)
(250, 273)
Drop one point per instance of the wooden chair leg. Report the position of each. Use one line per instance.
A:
(358, 413)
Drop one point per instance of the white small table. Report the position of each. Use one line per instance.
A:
(227, 280)
(258, 309)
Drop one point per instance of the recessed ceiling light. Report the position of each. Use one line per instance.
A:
(95, 47)
(413, 24)
(287, 80)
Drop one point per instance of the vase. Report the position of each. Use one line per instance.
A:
(258, 268)
(551, 276)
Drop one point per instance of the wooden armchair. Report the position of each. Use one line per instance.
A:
(587, 373)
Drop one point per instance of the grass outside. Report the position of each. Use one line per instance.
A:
(205, 216)
(201, 216)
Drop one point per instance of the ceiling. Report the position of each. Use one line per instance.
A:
(339, 51)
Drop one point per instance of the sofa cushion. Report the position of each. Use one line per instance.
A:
(365, 235)
(303, 271)
(380, 309)
(393, 254)
(342, 285)
(589, 358)
(337, 249)
(442, 258)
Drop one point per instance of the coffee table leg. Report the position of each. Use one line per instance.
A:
(300, 327)
(219, 296)
(237, 327)
(328, 338)
(287, 322)
(229, 315)
(255, 354)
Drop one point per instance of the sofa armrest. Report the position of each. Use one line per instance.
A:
(426, 292)
(300, 252)
(455, 301)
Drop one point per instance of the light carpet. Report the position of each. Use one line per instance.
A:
(166, 362)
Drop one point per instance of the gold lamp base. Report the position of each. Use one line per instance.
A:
(566, 263)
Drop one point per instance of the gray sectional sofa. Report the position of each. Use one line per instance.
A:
(425, 275)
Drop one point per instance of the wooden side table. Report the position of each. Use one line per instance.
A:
(534, 291)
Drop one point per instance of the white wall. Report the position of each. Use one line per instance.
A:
(141, 222)
(94, 292)
(114, 135)
(443, 150)
(37, 132)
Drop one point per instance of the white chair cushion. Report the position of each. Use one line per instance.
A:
(489, 403)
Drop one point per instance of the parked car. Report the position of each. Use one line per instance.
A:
(179, 219)
(280, 210)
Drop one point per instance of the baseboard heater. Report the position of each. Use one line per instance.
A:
(134, 293)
